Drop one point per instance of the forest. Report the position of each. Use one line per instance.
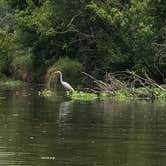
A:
(94, 36)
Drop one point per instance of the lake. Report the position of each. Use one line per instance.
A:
(37, 131)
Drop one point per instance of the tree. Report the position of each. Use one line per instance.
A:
(103, 35)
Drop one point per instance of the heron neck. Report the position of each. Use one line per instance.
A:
(61, 77)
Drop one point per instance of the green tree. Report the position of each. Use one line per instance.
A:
(103, 35)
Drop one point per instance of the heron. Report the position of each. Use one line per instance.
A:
(64, 84)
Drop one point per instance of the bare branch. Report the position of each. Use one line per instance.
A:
(72, 19)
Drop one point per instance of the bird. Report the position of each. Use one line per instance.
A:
(64, 84)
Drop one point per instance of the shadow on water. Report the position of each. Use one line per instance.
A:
(46, 132)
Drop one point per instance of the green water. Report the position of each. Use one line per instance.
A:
(36, 131)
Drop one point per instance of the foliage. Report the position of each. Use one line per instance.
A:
(22, 60)
(21, 67)
(7, 48)
(103, 35)
(118, 29)
(6, 18)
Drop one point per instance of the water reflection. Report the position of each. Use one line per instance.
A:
(65, 109)
(39, 131)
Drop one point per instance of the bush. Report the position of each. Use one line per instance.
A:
(21, 67)
(3, 62)
(22, 60)
(71, 70)
(4, 51)
(8, 48)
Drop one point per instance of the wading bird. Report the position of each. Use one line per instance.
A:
(66, 85)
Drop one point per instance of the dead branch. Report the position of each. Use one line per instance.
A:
(127, 80)
(72, 19)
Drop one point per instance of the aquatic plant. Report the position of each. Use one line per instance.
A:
(83, 96)
(46, 93)
(76, 95)
(128, 84)
(119, 95)
(106, 94)
(122, 94)
(162, 95)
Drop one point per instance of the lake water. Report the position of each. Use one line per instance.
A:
(37, 131)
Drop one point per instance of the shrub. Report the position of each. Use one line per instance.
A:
(21, 67)
(71, 70)
(3, 62)
(22, 60)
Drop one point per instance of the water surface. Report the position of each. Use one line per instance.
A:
(37, 131)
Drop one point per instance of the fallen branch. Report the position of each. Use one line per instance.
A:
(128, 81)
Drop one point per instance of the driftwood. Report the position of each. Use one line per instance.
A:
(126, 80)
(111, 85)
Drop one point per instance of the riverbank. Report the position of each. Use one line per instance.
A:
(146, 92)
(125, 94)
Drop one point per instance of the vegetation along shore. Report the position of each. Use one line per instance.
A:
(115, 48)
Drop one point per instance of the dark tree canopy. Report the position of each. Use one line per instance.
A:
(102, 35)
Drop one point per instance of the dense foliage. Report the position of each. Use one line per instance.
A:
(104, 36)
